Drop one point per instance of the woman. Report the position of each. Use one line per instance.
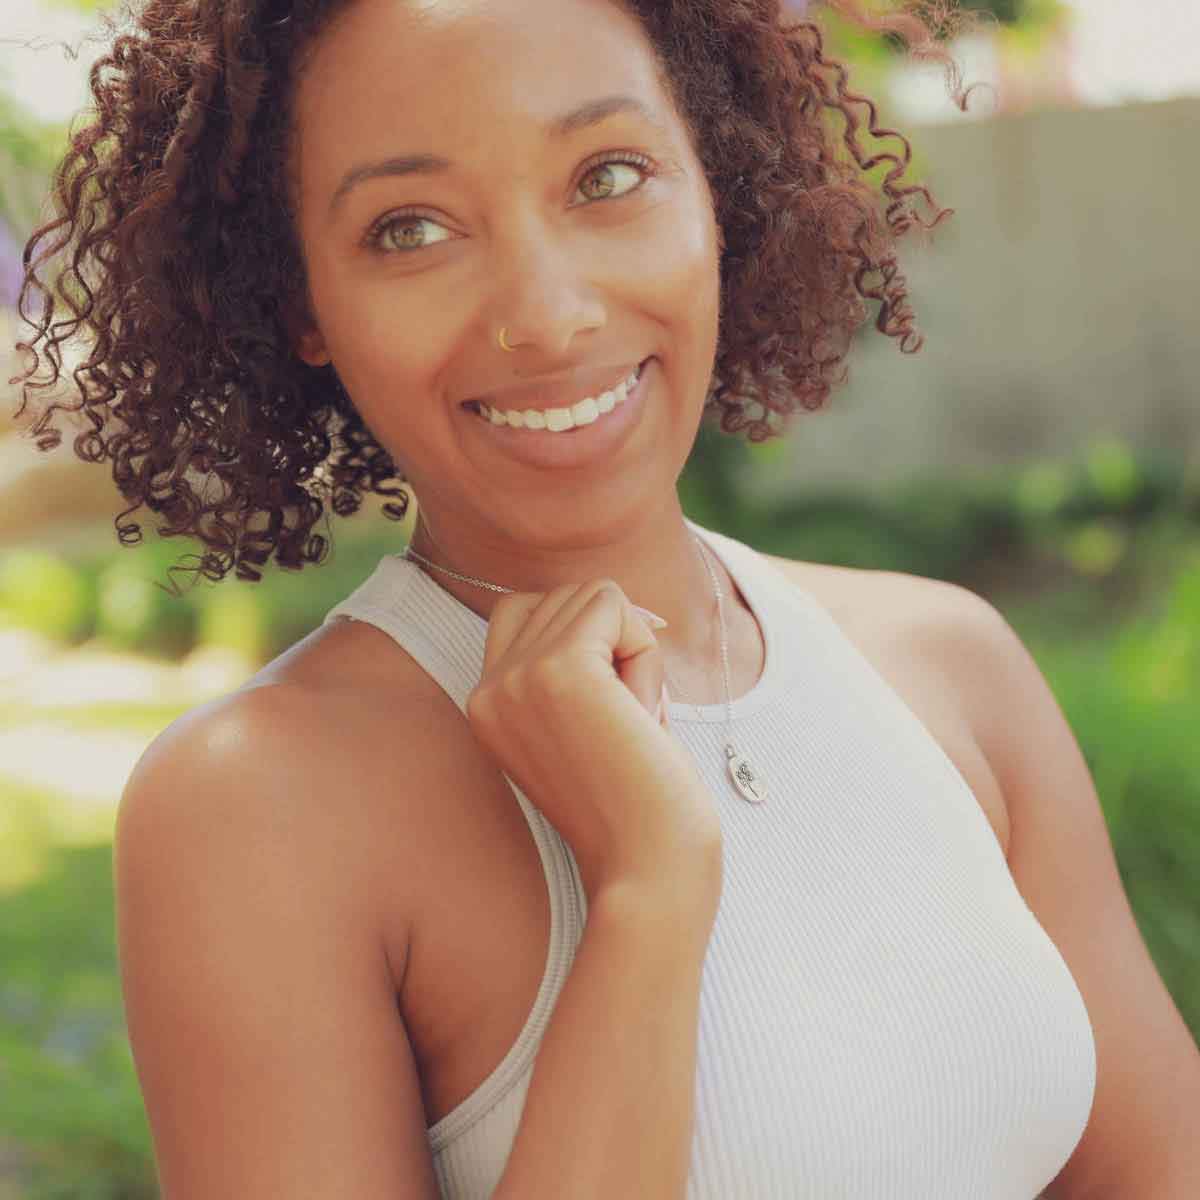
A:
(445, 900)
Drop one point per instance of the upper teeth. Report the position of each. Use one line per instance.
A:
(558, 419)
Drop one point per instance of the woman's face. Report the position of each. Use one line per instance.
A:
(592, 264)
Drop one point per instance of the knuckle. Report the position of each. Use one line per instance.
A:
(547, 678)
(558, 596)
(480, 704)
(513, 684)
(599, 587)
(506, 602)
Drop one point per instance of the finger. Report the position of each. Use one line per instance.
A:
(652, 618)
(618, 634)
(547, 615)
(642, 673)
(609, 626)
(508, 618)
(574, 604)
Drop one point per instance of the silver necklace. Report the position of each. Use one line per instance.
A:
(748, 781)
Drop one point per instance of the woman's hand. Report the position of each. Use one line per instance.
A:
(568, 705)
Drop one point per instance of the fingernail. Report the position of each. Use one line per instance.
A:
(654, 620)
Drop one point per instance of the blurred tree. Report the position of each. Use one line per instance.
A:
(80, 5)
(29, 150)
(1008, 11)
(1030, 18)
(27, 154)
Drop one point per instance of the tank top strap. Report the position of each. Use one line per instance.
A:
(443, 635)
(772, 596)
(447, 640)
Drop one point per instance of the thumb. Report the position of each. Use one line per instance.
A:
(637, 660)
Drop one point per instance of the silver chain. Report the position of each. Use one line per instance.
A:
(409, 552)
(745, 777)
(724, 640)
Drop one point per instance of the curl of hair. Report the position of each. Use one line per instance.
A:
(177, 261)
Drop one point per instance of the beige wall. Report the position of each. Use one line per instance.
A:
(1060, 302)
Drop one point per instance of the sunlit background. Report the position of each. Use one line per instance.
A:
(1041, 449)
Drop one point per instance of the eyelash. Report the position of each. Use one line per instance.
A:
(372, 240)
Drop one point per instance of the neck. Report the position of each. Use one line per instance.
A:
(657, 564)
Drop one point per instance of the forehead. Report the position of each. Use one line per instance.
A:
(452, 73)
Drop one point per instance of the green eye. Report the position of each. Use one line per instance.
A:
(603, 172)
(380, 238)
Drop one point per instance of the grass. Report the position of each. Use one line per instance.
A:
(71, 1117)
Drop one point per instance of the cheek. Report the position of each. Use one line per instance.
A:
(384, 335)
(375, 328)
(680, 274)
(389, 388)
(384, 352)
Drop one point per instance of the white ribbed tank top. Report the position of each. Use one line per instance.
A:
(882, 1017)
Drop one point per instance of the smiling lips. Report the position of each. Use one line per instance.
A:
(562, 420)
(558, 446)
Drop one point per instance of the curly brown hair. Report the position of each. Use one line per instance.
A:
(174, 262)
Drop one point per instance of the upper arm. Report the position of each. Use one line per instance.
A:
(1141, 1134)
(260, 1002)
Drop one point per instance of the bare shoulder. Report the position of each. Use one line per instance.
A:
(325, 747)
(245, 777)
(263, 920)
(324, 692)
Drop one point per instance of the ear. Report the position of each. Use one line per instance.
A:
(310, 346)
(305, 338)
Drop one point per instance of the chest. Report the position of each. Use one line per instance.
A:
(474, 966)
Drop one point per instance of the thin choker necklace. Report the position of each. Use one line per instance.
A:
(746, 779)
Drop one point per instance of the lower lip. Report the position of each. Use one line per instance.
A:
(576, 447)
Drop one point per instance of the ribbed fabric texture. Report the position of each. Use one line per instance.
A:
(881, 1014)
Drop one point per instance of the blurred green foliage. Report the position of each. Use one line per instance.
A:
(46, 593)
(26, 144)
(27, 156)
(1132, 697)
(83, 5)
(69, 1100)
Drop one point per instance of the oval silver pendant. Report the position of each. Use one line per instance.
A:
(746, 779)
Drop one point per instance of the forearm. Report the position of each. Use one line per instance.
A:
(1155, 1179)
(609, 1110)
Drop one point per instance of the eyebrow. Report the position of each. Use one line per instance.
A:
(586, 115)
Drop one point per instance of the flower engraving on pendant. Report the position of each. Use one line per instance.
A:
(746, 780)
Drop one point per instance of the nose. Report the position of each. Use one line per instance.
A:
(543, 296)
